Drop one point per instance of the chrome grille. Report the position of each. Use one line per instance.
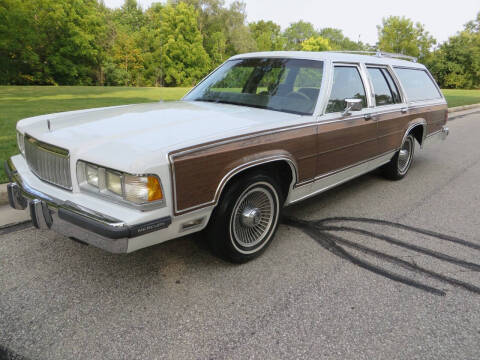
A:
(48, 162)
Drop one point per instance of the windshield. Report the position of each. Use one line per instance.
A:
(289, 85)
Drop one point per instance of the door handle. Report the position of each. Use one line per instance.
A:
(404, 110)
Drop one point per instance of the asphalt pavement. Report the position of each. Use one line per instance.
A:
(373, 269)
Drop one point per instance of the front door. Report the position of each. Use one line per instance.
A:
(345, 140)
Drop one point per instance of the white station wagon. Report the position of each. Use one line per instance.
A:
(262, 131)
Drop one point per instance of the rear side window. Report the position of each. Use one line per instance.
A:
(384, 87)
(347, 84)
(418, 85)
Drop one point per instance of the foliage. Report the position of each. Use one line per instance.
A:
(297, 33)
(456, 63)
(316, 43)
(338, 41)
(83, 42)
(224, 30)
(49, 41)
(401, 35)
(267, 35)
(184, 60)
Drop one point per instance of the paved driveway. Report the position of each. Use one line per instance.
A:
(371, 270)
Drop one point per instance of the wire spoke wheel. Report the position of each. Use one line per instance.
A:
(405, 155)
(254, 215)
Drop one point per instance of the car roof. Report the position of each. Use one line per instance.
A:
(332, 56)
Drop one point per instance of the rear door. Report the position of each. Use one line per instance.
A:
(346, 140)
(390, 108)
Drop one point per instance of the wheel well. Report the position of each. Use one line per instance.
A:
(282, 170)
(417, 132)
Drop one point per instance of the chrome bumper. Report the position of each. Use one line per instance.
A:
(438, 135)
(75, 221)
(445, 132)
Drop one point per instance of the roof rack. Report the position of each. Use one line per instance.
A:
(377, 53)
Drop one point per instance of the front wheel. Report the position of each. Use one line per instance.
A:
(246, 218)
(399, 165)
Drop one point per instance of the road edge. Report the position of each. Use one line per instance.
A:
(3, 194)
(462, 108)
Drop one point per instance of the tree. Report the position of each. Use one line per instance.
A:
(128, 57)
(184, 60)
(150, 40)
(316, 43)
(338, 41)
(297, 33)
(223, 29)
(401, 35)
(49, 41)
(130, 15)
(267, 35)
(456, 63)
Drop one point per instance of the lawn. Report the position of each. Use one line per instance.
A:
(18, 102)
(461, 97)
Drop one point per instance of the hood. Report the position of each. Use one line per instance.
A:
(135, 133)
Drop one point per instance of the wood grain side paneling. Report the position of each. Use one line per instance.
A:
(198, 172)
(316, 150)
(344, 143)
(392, 126)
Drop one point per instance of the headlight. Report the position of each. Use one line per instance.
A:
(21, 142)
(92, 175)
(114, 182)
(140, 191)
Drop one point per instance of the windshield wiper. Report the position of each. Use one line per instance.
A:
(218, 101)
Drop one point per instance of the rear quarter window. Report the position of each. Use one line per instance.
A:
(417, 84)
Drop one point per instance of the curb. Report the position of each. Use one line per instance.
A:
(462, 108)
(3, 187)
(3, 194)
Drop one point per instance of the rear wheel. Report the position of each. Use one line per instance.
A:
(399, 165)
(246, 218)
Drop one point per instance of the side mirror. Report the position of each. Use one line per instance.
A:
(352, 105)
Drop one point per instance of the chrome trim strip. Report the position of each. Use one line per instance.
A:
(47, 147)
(422, 123)
(351, 173)
(241, 138)
(333, 172)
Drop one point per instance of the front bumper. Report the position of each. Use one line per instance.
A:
(73, 220)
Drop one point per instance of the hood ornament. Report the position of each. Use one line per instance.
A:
(49, 125)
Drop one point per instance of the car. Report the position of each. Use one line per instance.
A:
(262, 131)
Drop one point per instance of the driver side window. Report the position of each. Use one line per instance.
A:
(347, 84)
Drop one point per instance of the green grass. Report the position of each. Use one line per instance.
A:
(461, 97)
(18, 102)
